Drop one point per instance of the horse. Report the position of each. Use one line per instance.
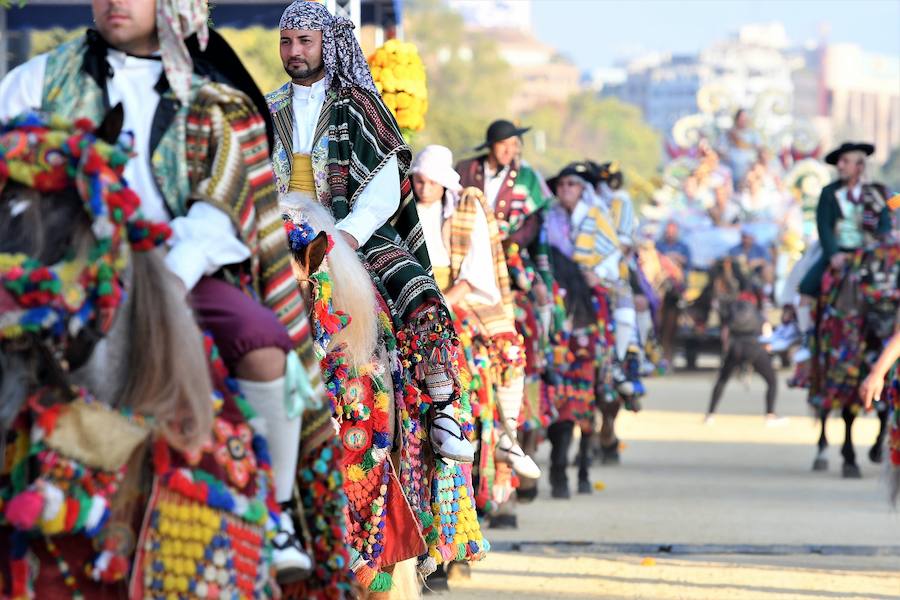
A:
(324, 262)
(856, 314)
(101, 406)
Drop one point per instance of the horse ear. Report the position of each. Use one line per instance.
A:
(315, 252)
(111, 125)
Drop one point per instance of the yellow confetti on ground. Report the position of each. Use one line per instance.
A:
(599, 486)
(648, 562)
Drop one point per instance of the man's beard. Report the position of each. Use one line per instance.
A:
(304, 73)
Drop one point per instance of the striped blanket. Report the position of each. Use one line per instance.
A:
(496, 319)
(362, 137)
(227, 157)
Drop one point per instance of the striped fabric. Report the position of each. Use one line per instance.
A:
(495, 319)
(228, 165)
(595, 237)
(362, 137)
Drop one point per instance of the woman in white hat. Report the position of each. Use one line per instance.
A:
(469, 264)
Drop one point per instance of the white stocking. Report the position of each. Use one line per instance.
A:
(511, 397)
(282, 433)
(645, 326)
(439, 383)
(804, 318)
(626, 329)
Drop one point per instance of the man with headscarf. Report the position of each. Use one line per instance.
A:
(148, 56)
(337, 143)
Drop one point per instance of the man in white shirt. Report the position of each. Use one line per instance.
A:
(338, 144)
(220, 206)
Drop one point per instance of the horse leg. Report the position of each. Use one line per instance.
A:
(876, 452)
(850, 469)
(821, 461)
(609, 443)
(584, 461)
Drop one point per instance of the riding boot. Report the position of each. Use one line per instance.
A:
(508, 449)
(560, 436)
(807, 330)
(447, 438)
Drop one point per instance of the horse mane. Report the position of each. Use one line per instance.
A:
(352, 290)
(167, 364)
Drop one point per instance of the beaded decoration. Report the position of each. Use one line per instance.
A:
(211, 514)
(51, 154)
(366, 437)
(892, 397)
(843, 353)
(47, 490)
(455, 533)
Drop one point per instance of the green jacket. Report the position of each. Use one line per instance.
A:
(828, 211)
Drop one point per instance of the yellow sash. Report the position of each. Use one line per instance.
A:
(302, 175)
(442, 277)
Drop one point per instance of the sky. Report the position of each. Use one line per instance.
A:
(595, 33)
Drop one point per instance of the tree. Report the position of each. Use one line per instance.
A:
(601, 129)
(469, 84)
(258, 49)
(890, 171)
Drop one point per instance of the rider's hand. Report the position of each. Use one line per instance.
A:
(870, 389)
(351, 241)
(540, 292)
(838, 259)
(457, 292)
(592, 279)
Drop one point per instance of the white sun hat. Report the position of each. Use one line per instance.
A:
(436, 163)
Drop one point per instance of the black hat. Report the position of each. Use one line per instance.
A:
(578, 169)
(832, 157)
(499, 131)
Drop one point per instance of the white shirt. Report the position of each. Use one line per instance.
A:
(493, 182)
(202, 241)
(432, 219)
(848, 228)
(477, 268)
(379, 199)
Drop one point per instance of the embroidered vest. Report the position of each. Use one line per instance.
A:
(70, 91)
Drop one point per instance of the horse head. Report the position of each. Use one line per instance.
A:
(85, 299)
(317, 248)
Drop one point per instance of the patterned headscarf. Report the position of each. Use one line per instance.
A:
(177, 20)
(345, 64)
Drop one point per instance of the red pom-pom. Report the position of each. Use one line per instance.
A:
(24, 510)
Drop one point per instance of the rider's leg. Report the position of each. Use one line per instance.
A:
(254, 345)
(446, 433)
(510, 397)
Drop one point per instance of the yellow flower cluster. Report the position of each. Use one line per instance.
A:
(400, 77)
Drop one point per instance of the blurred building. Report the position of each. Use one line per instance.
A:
(845, 92)
(500, 14)
(850, 94)
(544, 77)
(739, 69)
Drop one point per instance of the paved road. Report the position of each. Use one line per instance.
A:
(734, 504)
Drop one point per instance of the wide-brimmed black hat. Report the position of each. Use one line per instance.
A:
(832, 157)
(501, 130)
(577, 169)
